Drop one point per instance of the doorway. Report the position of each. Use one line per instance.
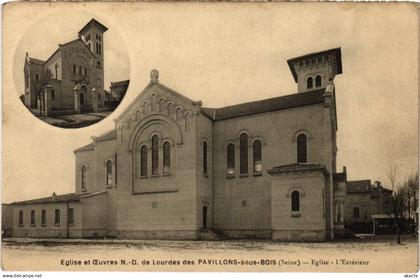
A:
(205, 217)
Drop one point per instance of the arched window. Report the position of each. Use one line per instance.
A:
(84, 175)
(243, 153)
(143, 161)
(109, 172)
(32, 218)
(116, 165)
(80, 70)
(74, 68)
(257, 156)
(85, 71)
(44, 217)
(295, 201)
(53, 94)
(155, 155)
(205, 158)
(309, 83)
(20, 218)
(318, 81)
(231, 159)
(166, 158)
(301, 148)
(57, 217)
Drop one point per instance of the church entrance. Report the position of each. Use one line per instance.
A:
(204, 217)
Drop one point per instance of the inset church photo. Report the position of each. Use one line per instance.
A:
(69, 88)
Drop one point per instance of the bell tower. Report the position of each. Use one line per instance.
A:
(315, 71)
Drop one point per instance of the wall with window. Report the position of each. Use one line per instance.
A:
(39, 220)
(204, 142)
(278, 136)
(85, 160)
(361, 201)
(32, 85)
(297, 202)
(157, 203)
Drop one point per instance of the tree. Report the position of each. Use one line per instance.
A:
(398, 206)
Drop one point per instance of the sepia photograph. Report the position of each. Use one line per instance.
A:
(212, 137)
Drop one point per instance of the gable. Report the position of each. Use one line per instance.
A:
(79, 46)
(158, 99)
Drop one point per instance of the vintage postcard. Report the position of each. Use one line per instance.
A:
(213, 137)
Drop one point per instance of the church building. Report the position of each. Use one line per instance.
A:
(173, 168)
(72, 78)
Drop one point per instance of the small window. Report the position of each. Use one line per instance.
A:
(143, 161)
(74, 68)
(44, 217)
(53, 94)
(318, 81)
(243, 154)
(166, 158)
(356, 212)
(155, 155)
(80, 70)
(71, 216)
(301, 148)
(231, 159)
(109, 172)
(295, 201)
(32, 218)
(205, 158)
(88, 37)
(84, 176)
(309, 83)
(37, 77)
(257, 157)
(99, 96)
(57, 217)
(20, 218)
(85, 71)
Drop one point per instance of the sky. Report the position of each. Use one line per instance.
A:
(222, 54)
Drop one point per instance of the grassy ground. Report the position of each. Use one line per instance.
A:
(75, 120)
(373, 255)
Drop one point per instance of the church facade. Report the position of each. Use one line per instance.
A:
(72, 78)
(175, 169)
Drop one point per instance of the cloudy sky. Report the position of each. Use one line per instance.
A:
(221, 54)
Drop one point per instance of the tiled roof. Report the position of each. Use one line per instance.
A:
(298, 167)
(266, 105)
(110, 135)
(123, 83)
(336, 51)
(88, 147)
(71, 197)
(95, 22)
(36, 61)
(359, 186)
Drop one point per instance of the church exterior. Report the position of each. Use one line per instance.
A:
(175, 169)
(72, 78)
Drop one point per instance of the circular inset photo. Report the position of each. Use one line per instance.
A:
(75, 73)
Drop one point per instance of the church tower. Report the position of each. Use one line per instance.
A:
(92, 34)
(315, 71)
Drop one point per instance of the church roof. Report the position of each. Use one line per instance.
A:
(359, 186)
(117, 84)
(88, 147)
(93, 22)
(71, 197)
(36, 61)
(335, 51)
(298, 167)
(266, 105)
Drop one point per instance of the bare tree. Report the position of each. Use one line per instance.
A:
(398, 204)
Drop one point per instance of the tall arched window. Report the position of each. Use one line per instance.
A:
(243, 153)
(80, 70)
(257, 156)
(301, 148)
(84, 176)
(143, 161)
(309, 83)
(231, 159)
(166, 158)
(295, 201)
(116, 165)
(109, 172)
(57, 217)
(318, 81)
(52, 94)
(74, 68)
(155, 155)
(205, 158)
